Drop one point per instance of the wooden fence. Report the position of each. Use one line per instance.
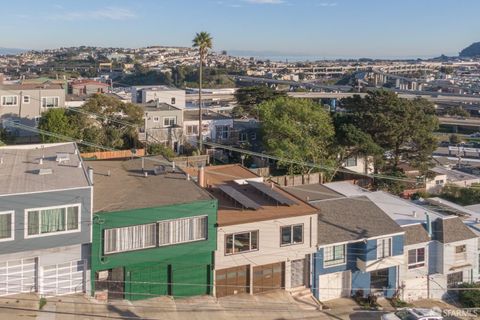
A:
(295, 180)
(103, 155)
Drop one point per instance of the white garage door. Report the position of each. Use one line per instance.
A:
(415, 289)
(18, 276)
(334, 285)
(63, 278)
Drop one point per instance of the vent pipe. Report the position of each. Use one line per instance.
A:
(173, 166)
(429, 224)
(414, 213)
(40, 161)
(90, 175)
(145, 174)
(201, 176)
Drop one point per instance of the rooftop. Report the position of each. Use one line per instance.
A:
(351, 219)
(158, 88)
(21, 171)
(122, 185)
(32, 86)
(192, 115)
(454, 175)
(154, 106)
(231, 212)
(313, 192)
(451, 229)
(415, 234)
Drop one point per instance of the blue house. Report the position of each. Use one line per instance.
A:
(360, 249)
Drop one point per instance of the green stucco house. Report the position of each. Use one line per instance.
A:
(153, 231)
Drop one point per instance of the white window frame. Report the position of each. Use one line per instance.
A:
(243, 136)
(170, 236)
(291, 226)
(380, 243)
(169, 118)
(156, 119)
(417, 264)
(105, 231)
(334, 262)
(460, 256)
(44, 100)
(249, 242)
(353, 159)
(28, 99)
(12, 227)
(39, 235)
(9, 105)
(192, 126)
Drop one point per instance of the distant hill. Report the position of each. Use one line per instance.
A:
(472, 50)
(4, 51)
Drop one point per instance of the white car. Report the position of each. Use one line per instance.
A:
(413, 314)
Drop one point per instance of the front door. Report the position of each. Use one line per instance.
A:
(298, 273)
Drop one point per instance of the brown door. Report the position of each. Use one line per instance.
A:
(232, 281)
(269, 277)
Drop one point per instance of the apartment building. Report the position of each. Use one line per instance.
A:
(163, 94)
(25, 103)
(45, 220)
(153, 231)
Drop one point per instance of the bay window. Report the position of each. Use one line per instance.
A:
(53, 220)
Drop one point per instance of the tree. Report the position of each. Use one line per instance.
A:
(298, 130)
(249, 97)
(55, 121)
(454, 139)
(202, 41)
(403, 128)
(161, 149)
(457, 111)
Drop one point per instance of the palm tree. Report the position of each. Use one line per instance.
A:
(202, 41)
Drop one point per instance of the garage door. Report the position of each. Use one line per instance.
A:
(232, 281)
(269, 277)
(18, 276)
(334, 285)
(415, 289)
(63, 278)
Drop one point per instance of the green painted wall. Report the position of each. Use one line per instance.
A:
(187, 266)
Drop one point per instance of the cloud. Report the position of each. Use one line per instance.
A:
(327, 4)
(107, 13)
(265, 1)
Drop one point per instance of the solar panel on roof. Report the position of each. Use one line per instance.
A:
(240, 198)
(269, 192)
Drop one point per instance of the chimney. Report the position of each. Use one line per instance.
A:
(90, 174)
(429, 224)
(201, 176)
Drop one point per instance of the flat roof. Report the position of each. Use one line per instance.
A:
(313, 192)
(121, 185)
(19, 172)
(232, 213)
(32, 86)
(192, 115)
(153, 106)
(454, 175)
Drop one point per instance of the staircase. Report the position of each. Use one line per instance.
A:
(305, 299)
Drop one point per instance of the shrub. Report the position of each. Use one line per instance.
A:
(469, 295)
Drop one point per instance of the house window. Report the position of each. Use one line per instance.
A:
(351, 162)
(334, 255)
(461, 253)
(253, 136)
(291, 235)
(156, 119)
(6, 226)
(26, 99)
(182, 230)
(169, 121)
(454, 279)
(384, 248)
(222, 132)
(192, 130)
(416, 258)
(9, 100)
(241, 242)
(172, 101)
(130, 238)
(439, 182)
(242, 136)
(53, 220)
(50, 102)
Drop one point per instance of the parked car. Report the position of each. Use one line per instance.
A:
(444, 144)
(474, 135)
(413, 314)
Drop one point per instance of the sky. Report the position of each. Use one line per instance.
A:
(321, 28)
